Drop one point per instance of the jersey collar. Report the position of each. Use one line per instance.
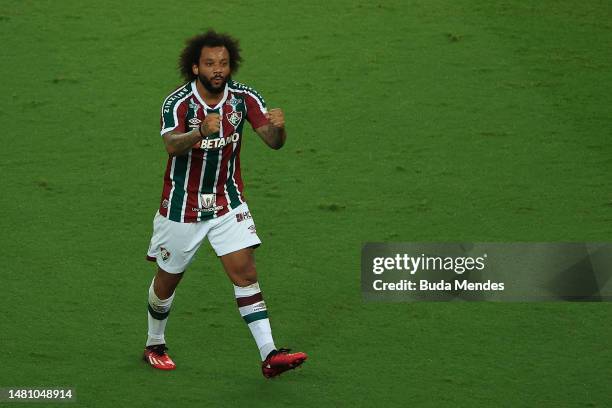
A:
(201, 100)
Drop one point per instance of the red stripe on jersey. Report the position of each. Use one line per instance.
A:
(193, 184)
(163, 210)
(255, 115)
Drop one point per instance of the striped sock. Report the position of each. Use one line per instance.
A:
(254, 312)
(157, 317)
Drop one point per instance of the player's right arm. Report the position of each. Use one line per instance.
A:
(177, 143)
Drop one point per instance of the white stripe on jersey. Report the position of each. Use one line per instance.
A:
(220, 158)
(227, 197)
(172, 189)
(204, 154)
(185, 186)
(174, 114)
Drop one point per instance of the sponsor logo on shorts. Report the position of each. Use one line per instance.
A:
(243, 216)
(165, 254)
(165, 203)
(253, 229)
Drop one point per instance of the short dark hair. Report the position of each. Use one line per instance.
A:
(193, 49)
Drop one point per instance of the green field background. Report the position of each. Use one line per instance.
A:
(408, 121)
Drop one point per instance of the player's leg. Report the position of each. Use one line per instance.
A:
(173, 247)
(161, 295)
(234, 238)
(165, 283)
(240, 268)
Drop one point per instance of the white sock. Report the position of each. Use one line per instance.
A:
(254, 312)
(157, 317)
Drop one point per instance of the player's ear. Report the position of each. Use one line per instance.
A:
(195, 69)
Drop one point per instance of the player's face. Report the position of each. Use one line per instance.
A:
(213, 69)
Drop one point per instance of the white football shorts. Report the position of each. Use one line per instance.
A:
(174, 244)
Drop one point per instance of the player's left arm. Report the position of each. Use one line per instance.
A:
(273, 133)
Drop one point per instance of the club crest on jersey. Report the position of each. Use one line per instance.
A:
(234, 118)
(208, 203)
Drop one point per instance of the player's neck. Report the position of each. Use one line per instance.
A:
(211, 99)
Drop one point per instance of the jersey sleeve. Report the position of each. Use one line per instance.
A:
(256, 109)
(173, 116)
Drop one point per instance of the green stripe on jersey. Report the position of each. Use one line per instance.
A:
(253, 317)
(178, 192)
(211, 161)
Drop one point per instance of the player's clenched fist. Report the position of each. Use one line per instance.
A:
(210, 125)
(276, 118)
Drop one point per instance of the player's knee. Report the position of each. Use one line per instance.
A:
(166, 283)
(247, 274)
(250, 276)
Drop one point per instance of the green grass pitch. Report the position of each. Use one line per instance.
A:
(408, 121)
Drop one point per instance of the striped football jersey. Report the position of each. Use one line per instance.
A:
(205, 182)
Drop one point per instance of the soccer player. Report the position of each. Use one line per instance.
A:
(201, 126)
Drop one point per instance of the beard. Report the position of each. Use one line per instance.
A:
(210, 87)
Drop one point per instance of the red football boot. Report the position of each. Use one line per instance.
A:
(280, 361)
(158, 358)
